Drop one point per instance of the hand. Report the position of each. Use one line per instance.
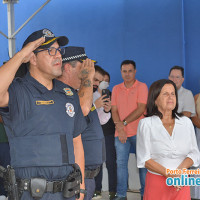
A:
(121, 132)
(177, 187)
(81, 196)
(100, 102)
(87, 69)
(107, 106)
(27, 51)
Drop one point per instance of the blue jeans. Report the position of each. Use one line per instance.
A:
(123, 151)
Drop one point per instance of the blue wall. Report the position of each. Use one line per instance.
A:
(157, 34)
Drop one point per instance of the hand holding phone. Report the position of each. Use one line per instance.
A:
(106, 92)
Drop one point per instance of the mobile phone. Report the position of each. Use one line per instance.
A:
(107, 92)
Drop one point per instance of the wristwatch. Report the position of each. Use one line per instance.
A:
(125, 122)
(83, 191)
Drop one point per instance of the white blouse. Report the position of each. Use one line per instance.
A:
(154, 142)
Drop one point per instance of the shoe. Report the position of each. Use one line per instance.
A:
(120, 198)
(97, 195)
(112, 195)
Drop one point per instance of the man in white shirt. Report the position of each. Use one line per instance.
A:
(186, 103)
(103, 105)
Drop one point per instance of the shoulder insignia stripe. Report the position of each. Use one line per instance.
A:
(68, 91)
(93, 108)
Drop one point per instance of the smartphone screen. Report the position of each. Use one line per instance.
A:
(107, 92)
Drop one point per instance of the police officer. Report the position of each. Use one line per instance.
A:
(78, 77)
(40, 115)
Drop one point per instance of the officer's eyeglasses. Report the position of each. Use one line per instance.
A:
(52, 51)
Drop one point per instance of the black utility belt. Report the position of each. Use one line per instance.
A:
(91, 173)
(38, 186)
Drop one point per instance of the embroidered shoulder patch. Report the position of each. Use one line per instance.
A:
(68, 91)
(70, 109)
(44, 102)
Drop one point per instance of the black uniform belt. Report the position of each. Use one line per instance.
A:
(54, 186)
(91, 173)
(38, 186)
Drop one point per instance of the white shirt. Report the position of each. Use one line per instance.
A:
(186, 101)
(103, 117)
(154, 142)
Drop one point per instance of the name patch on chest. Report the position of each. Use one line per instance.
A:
(70, 109)
(44, 102)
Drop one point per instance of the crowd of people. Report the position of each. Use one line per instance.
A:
(60, 123)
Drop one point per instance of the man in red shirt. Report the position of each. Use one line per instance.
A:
(128, 106)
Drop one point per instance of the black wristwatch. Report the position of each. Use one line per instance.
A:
(125, 122)
(83, 191)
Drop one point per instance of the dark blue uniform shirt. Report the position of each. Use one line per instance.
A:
(41, 125)
(93, 141)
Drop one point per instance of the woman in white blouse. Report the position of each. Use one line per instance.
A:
(165, 140)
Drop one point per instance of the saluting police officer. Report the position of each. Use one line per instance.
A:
(43, 121)
(79, 77)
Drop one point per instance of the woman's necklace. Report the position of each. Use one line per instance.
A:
(169, 125)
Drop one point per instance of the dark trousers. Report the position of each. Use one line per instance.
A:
(90, 187)
(4, 161)
(110, 165)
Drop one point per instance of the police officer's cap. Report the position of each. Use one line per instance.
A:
(74, 53)
(50, 38)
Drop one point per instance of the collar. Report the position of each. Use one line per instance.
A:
(178, 120)
(180, 89)
(57, 85)
(134, 85)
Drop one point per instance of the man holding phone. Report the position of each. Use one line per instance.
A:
(101, 100)
(102, 97)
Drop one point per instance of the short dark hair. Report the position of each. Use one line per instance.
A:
(154, 92)
(73, 63)
(106, 73)
(178, 68)
(99, 69)
(127, 62)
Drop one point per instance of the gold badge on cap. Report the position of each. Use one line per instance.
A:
(68, 91)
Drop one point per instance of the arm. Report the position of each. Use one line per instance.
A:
(187, 162)
(136, 113)
(9, 69)
(104, 112)
(80, 159)
(1, 120)
(187, 114)
(118, 124)
(155, 167)
(196, 119)
(85, 92)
